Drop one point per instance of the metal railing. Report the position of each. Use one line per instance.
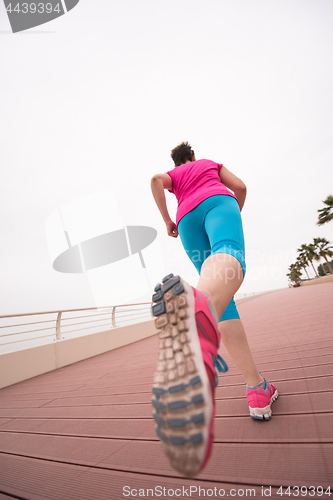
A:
(17, 331)
(51, 326)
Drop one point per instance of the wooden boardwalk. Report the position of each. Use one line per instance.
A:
(86, 431)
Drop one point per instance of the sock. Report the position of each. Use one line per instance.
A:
(258, 386)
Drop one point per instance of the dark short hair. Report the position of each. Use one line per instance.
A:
(182, 153)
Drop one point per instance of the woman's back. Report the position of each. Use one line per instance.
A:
(194, 182)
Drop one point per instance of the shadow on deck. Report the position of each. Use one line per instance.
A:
(86, 431)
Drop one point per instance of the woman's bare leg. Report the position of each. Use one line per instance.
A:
(221, 275)
(235, 341)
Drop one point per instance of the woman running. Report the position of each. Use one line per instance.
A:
(209, 223)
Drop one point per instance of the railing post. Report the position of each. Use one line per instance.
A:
(113, 316)
(58, 331)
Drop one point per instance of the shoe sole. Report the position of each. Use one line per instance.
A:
(266, 412)
(182, 394)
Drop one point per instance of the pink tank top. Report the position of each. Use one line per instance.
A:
(194, 182)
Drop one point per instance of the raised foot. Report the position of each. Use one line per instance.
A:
(182, 399)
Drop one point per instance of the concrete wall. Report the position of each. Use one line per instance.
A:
(21, 365)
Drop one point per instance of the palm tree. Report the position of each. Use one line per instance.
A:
(326, 213)
(324, 249)
(303, 256)
(294, 274)
(302, 263)
(310, 253)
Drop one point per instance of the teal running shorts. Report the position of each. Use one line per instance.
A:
(214, 226)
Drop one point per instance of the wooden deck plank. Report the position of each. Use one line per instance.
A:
(4, 421)
(288, 404)
(222, 392)
(301, 386)
(235, 463)
(81, 483)
(37, 479)
(96, 390)
(310, 428)
(33, 403)
(6, 497)
(65, 449)
(107, 428)
(229, 462)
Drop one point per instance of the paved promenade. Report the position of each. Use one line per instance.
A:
(86, 431)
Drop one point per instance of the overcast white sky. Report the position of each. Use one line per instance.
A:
(96, 100)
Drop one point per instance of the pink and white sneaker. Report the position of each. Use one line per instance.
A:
(184, 384)
(260, 400)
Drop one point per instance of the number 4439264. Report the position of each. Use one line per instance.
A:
(302, 491)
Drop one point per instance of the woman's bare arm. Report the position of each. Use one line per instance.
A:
(159, 182)
(235, 184)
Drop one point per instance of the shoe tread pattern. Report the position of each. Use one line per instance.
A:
(177, 391)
